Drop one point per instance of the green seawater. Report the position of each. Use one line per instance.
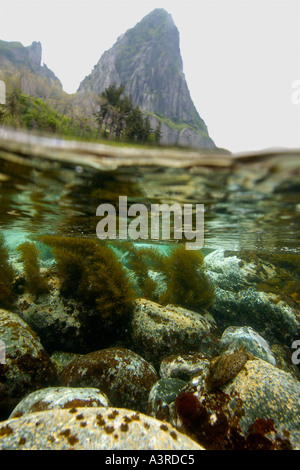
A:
(53, 186)
(49, 186)
(250, 204)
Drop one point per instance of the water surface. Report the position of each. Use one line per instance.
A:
(52, 185)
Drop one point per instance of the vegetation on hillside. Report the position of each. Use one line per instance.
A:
(23, 111)
(115, 119)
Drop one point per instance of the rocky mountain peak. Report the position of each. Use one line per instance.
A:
(35, 54)
(20, 66)
(147, 61)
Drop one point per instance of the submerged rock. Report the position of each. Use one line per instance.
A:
(257, 408)
(235, 337)
(91, 429)
(59, 397)
(71, 324)
(59, 322)
(182, 366)
(229, 272)
(159, 331)
(61, 359)
(273, 319)
(239, 301)
(162, 394)
(124, 376)
(27, 365)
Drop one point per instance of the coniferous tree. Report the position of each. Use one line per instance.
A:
(118, 118)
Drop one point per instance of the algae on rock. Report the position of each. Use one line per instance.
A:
(90, 272)
(7, 276)
(180, 270)
(187, 284)
(35, 283)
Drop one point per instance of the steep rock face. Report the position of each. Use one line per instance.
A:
(14, 53)
(35, 54)
(147, 61)
(21, 66)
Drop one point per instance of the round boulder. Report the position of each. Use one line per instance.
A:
(162, 394)
(124, 376)
(92, 429)
(235, 337)
(252, 407)
(159, 331)
(59, 397)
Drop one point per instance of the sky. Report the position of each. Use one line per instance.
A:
(241, 58)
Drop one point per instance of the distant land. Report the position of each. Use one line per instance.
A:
(145, 60)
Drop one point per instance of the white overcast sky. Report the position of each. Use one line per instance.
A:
(240, 57)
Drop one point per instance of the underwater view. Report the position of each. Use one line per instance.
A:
(122, 342)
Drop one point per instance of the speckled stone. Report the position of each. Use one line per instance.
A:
(267, 392)
(229, 272)
(55, 319)
(124, 376)
(27, 365)
(159, 331)
(59, 397)
(257, 409)
(91, 429)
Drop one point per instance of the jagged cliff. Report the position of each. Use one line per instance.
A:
(21, 67)
(147, 61)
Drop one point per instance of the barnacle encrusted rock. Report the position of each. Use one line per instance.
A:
(27, 365)
(91, 429)
(124, 376)
(159, 331)
(240, 301)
